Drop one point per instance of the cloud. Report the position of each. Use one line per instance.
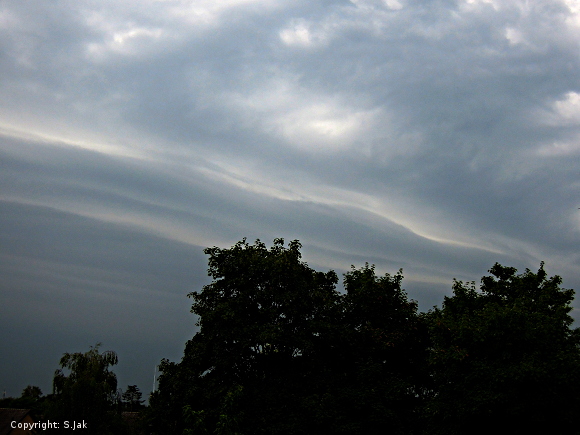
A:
(436, 136)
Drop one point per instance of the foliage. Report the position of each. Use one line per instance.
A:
(31, 392)
(132, 398)
(386, 347)
(280, 350)
(259, 320)
(31, 398)
(505, 355)
(88, 392)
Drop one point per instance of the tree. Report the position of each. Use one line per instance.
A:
(280, 350)
(132, 398)
(31, 392)
(505, 355)
(386, 351)
(247, 368)
(88, 391)
(31, 398)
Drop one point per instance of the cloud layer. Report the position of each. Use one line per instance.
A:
(438, 136)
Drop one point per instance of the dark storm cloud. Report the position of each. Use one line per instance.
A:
(436, 136)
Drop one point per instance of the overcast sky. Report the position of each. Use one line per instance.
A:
(437, 136)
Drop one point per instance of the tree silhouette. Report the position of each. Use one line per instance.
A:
(88, 391)
(506, 355)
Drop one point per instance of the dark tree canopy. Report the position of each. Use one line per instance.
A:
(281, 351)
(259, 321)
(31, 392)
(88, 392)
(31, 398)
(386, 348)
(132, 398)
(506, 355)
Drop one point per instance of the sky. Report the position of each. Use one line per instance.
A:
(436, 136)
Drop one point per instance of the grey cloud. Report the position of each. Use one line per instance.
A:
(422, 135)
(228, 213)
